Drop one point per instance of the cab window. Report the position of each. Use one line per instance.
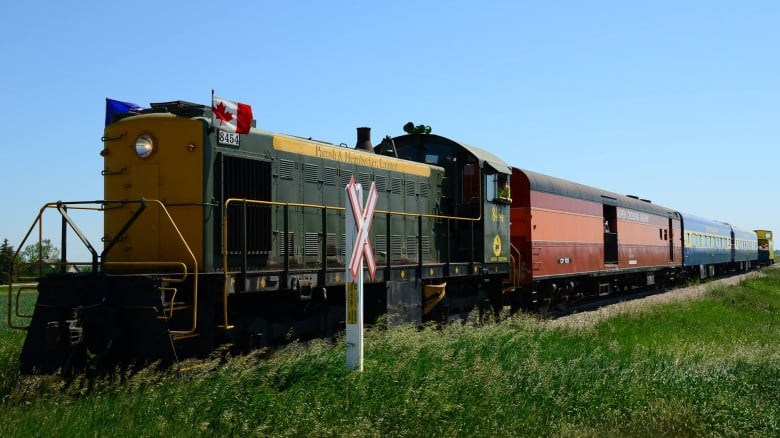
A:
(497, 188)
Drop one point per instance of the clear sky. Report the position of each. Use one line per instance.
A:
(674, 101)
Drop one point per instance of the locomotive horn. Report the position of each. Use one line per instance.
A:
(364, 139)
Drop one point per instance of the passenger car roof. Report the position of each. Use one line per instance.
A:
(550, 184)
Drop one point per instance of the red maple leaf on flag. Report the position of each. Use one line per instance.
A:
(221, 112)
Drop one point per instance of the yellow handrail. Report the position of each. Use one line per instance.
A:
(226, 283)
(184, 274)
(515, 269)
(38, 221)
(180, 265)
(195, 270)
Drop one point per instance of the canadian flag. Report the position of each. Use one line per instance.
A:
(230, 116)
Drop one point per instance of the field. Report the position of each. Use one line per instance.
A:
(702, 364)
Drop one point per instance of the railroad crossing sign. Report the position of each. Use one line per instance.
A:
(363, 220)
(356, 228)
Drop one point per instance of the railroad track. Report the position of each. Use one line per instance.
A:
(598, 308)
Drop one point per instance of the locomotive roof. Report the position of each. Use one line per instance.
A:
(551, 184)
(484, 156)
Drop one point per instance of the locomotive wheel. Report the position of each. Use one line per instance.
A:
(545, 305)
(550, 299)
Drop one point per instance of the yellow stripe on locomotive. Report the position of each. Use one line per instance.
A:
(344, 155)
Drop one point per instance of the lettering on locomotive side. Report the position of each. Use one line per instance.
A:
(350, 156)
(497, 215)
(634, 216)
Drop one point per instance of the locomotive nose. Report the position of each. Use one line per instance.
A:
(364, 139)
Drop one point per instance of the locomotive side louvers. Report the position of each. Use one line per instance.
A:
(251, 180)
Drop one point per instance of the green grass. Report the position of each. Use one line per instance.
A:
(26, 301)
(709, 367)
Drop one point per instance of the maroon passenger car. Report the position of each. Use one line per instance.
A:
(571, 240)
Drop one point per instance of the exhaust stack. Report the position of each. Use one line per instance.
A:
(364, 139)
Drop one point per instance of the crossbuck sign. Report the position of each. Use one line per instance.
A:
(363, 221)
(357, 227)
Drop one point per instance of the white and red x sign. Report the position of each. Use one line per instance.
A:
(363, 220)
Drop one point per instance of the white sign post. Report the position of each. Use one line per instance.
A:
(357, 226)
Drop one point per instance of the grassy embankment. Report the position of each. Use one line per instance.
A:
(709, 366)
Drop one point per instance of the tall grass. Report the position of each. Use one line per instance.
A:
(697, 368)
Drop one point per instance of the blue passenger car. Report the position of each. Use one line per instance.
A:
(745, 249)
(707, 246)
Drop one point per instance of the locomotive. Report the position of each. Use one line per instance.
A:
(766, 248)
(212, 238)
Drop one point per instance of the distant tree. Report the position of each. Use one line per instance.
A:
(47, 252)
(48, 255)
(6, 259)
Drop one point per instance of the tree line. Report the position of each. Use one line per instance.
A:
(10, 266)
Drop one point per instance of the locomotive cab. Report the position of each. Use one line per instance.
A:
(473, 219)
(475, 196)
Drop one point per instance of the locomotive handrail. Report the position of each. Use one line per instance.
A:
(225, 286)
(184, 272)
(330, 207)
(18, 296)
(194, 327)
(181, 265)
(229, 201)
(40, 263)
(62, 209)
(142, 207)
(127, 225)
(515, 267)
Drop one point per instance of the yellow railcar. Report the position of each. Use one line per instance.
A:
(766, 248)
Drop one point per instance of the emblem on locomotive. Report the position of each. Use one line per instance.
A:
(497, 245)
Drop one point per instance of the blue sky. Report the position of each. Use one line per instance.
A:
(674, 101)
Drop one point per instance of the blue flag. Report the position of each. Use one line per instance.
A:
(118, 107)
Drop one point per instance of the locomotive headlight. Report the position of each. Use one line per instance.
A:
(144, 145)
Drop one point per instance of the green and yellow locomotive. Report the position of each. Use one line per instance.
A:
(214, 238)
